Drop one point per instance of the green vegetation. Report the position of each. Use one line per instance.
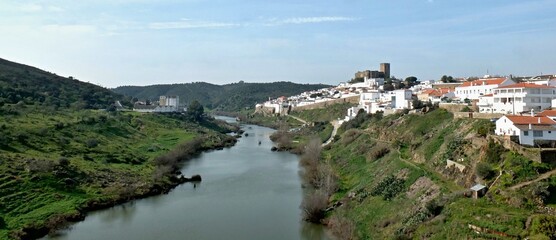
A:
(394, 183)
(54, 164)
(60, 156)
(229, 97)
(330, 113)
(22, 85)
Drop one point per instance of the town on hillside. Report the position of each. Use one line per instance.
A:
(523, 108)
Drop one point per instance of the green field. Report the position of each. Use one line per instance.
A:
(52, 164)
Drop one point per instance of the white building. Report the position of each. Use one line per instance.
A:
(527, 128)
(402, 99)
(518, 98)
(473, 89)
(171, 101)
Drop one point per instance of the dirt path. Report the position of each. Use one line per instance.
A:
(541, 177)
(298, 119)
(336, 125)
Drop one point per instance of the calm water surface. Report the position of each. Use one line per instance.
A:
(247, 192)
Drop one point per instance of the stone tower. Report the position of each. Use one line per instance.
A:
(385, 68)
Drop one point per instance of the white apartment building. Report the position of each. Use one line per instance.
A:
(474, 89)
(518, 98)
(527, 128)
(402, 99)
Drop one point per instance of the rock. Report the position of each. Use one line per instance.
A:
(196, 178)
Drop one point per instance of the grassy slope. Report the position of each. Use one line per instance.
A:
(328, 114)
(418, 145)
(34, 186)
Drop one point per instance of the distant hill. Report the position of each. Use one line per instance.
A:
(32, 86)
(229, 97)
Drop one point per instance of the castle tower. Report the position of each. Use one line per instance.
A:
(385, 68)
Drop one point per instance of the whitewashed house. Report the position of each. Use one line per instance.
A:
(519, 98)
(527, 128)
(474, 89)
(485, 103)
(402, 99)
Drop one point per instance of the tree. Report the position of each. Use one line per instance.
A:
(411, 81)
(447, 79)
(196, 110)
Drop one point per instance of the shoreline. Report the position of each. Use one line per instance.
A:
(58, 222)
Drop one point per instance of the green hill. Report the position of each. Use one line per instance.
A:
(228, 97)
(59, 159)
(394, 183)
(32, 86)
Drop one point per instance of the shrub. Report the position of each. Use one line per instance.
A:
(314, 206)
(466, 109)
(545, 225)
(484, 170)
(378, 152)
(494, 152)
(63, 162)
(2, 223)
(342, 227)
(350, 135)
(91, 143)
(389, 187)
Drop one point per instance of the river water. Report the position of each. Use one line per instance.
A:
(247, 192)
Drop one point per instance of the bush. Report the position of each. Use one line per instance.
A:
(314, 206)
(466, 109)
(350, 135)
(2, 223)
(494, 152)
(389, 187)
(484, 170)
(91, 143)
(545, 225)
(378, 152)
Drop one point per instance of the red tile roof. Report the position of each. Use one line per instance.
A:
(526, 85)
(436, 92)
(488, 81)
(547, 113)
(531, 120)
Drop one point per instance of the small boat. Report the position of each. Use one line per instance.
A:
(259, 142)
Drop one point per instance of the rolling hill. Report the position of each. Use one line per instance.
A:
(228, 97)
(30, 85)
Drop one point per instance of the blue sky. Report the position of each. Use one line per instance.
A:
(144, 42)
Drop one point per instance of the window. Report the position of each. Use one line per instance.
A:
(526, 133)
(537, 133)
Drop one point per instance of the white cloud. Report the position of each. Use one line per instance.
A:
(69, 29)
(316, 20)
(188, 24)
(31, 7)
(55, 9)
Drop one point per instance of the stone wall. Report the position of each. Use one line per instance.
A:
(452, 107)
(477, 115)
(354, 99)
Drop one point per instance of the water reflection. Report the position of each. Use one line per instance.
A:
(247, 192)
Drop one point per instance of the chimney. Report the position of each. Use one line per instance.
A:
(532, 112)
(539, 120)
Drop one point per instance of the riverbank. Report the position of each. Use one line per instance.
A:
(60, 166)
(173, 180)
(247, 182)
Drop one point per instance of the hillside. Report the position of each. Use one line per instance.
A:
(30, 85)
(59, 159)
(394, 183)
(228, 97)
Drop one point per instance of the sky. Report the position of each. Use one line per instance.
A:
(143, 42)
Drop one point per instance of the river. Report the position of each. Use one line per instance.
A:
(247, 192)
